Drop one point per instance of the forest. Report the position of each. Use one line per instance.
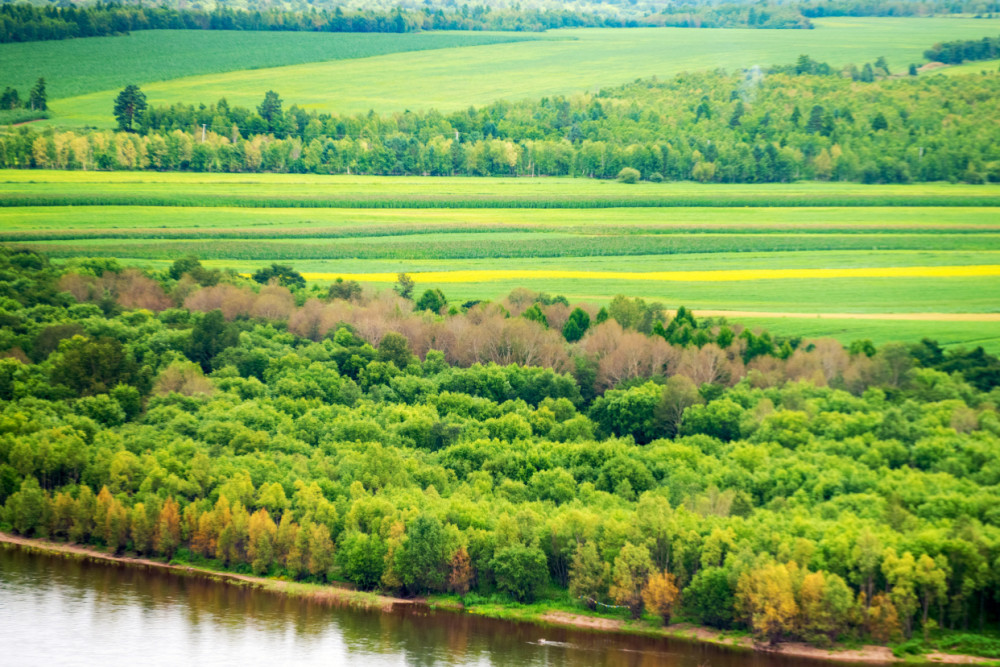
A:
(526, 450)
(806, 120)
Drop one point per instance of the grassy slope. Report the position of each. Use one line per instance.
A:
(79, 66)
(591, 59)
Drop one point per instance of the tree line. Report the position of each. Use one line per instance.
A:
(283, 429)
(22, 22)
(752, 126)
(954, 53)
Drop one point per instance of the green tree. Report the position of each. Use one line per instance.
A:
(37, 99)
(535, 314)
(422, 559)
(348, 290)
(89, 366)
(520, 571)
(130, 105)
(432, 300)
(629, 575)
(362, 558)
(710, 598)
(395, 347)
(25, 509)
(285, 275)
(270, 110)
(404, 286)
(576, 325)
(588, 575)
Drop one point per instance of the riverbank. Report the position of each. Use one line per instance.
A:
(343, 596)
(330, 594)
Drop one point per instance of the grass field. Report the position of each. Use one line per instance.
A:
(759, 252)
(444, 78)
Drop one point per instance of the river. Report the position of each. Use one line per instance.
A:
(64, 611)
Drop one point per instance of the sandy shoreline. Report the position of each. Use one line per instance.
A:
(342, 595)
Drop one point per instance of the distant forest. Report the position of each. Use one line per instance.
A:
(859, 124)
(25, 22)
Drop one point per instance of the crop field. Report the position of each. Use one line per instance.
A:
(783, 257)
(75, 67)
(448, 74)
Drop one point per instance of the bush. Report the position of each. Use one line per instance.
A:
(628, 175)
(656, 177)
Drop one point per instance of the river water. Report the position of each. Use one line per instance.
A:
(61, 611)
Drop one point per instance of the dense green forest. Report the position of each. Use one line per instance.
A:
(803, 121)
(522, 450)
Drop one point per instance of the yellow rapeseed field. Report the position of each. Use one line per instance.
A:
(735, 275)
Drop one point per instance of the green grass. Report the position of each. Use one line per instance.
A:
(451, 79)
(80, 66)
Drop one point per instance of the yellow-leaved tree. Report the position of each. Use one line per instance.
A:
(660, 595)
(765, 596)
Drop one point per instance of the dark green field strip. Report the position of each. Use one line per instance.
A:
(15, 197)
(523, 247)
(404, 229)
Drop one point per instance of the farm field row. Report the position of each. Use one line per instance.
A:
(518, 244)
(449, 79)
(72, 222)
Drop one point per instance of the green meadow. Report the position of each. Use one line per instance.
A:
(449, 73)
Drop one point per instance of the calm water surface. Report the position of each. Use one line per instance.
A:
(59, 611)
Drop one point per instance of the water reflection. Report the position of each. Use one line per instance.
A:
(57, 611)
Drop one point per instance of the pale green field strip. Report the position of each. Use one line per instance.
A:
(62, 188)
(591, 59)
(974, 67)
(225, 222)
(74, 67)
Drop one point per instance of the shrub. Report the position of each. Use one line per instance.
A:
(628, 175)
